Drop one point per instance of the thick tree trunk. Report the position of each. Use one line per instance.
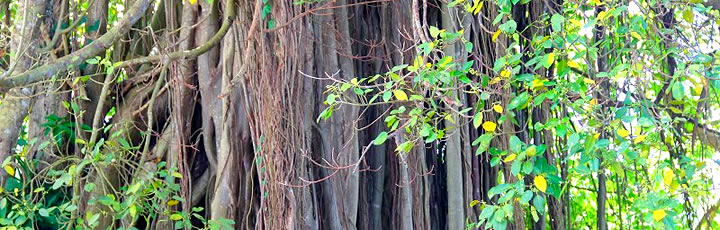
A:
(15, 105)
(453, 146)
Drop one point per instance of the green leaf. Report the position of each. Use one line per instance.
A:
(44, 212)
(527, 195)
(487, 212)
(498, 189)
(539, 203)
(477, 119)
(557, 21)
(509, 27)
(484, 143)
(434, 31)
(518, 101)
(380, 139)
(678, 91)
(404, 147)
(515, 144)
(468, 47)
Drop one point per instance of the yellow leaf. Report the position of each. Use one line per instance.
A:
(478, 6)
(418, 61)
(602, 15)
(400, 95)
(10, 170)
(573, 64)
(588, 81)
(496, 35)
(536, 83)
(668, 176)
(623, 132)
(474, 202)
(675, 110)
(510, 157)
(489, 126)
(636, 35)
(593, 102)
(192, 2)
(540, 183)
(450, 119)
(639, 139)
(530, 151)
(446, 61)
(172, 202)
(133, 210)
(498, 108)
(575, 22)
(658, 214)
(505, 73)
(495, 80)
(176, 216)
(551, 57)
(698, 90)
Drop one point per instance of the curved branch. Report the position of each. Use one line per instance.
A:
(46, 71)
(227, 22)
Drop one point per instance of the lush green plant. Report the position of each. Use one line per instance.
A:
(45, 199)
(628, 140)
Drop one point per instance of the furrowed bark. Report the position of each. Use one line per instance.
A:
(453, 151)
(406, 198)
(209, 82)
(15, 104)
(329, 130)
(350, 178)
(96, 26)
(230, 150)
(47, 105)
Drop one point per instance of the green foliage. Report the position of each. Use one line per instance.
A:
(50, 203)
(614, 122)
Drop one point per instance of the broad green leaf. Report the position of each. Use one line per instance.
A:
(539, 203)
(557, 21)
(477, 119)
(380, 139)
(526, 197)
(434, 31)
(518, 101)
(678, 91)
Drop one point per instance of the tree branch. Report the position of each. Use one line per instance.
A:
(46, 71)
(227, 22)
